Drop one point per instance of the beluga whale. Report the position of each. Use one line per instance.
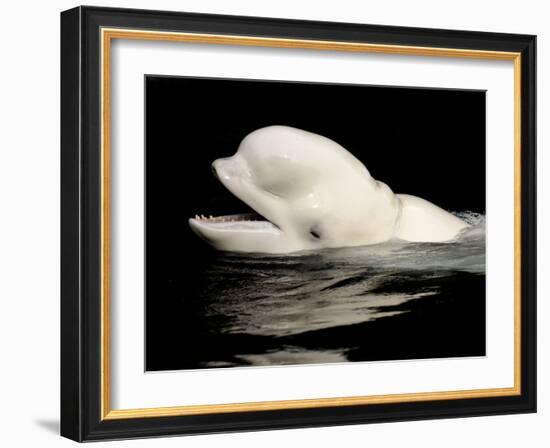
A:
(310, 193)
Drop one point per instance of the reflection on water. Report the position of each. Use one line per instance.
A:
(389, 301)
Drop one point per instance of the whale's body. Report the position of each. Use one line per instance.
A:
(310, 193)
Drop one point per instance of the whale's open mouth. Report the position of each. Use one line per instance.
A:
(237, 222)
(248, 221)
(253, 230)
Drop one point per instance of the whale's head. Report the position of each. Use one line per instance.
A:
(307, 191)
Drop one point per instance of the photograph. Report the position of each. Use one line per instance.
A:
(291, 223)
(278, 223)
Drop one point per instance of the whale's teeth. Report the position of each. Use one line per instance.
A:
(227, 218)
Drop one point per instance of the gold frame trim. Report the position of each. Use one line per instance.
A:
(107, 35)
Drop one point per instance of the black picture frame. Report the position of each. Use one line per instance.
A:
(82, 397)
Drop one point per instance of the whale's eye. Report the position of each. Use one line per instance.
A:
(314, 233)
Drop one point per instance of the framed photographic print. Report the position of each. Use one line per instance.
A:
(273, 223)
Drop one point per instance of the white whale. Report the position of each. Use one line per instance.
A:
(311, 193)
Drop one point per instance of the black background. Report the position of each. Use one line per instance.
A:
(425, 142)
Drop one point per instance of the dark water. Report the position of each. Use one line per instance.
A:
(384, 302)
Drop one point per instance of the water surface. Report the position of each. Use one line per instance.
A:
(388, 301)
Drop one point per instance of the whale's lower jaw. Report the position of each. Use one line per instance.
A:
(233, 233)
